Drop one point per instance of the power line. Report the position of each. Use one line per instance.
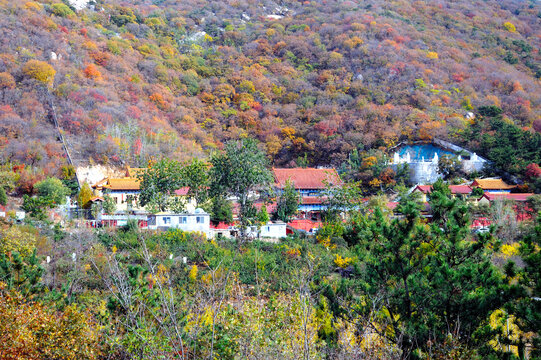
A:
(60, 135)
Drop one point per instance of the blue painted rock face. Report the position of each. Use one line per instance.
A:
(426, 151)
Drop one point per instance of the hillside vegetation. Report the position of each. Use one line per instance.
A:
(374, 287)
(314, 82)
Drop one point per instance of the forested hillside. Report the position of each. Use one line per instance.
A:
(313, 81)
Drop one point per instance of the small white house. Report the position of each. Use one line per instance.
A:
(273, 230)
(197, 221)
(270, 230)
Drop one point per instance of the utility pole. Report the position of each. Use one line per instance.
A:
(60, 135)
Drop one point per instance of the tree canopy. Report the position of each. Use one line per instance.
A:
(239, 170)
(159, 183)
(427, 284)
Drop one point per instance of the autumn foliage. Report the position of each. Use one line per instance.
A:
(40, 71)
(344, 78)
(92, 72)
(30, 330)
(6, 81)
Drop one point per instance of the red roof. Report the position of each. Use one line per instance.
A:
(507, 196)
(455, 189)
(392, 205)
(460, 189)
(183, 191)
(481, 222)
(304, 224)
(221, 226)
(306, 178)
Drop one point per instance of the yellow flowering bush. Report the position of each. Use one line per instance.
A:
(342, 262)
(509, 250)
(509, 27)
(193, 273)
(18, 238)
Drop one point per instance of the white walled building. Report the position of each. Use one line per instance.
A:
(423, 159)
(197, 221)
(273, 230)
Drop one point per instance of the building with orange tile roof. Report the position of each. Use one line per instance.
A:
(493, 185)
(124, 191)
(306, 180)
(310, 183)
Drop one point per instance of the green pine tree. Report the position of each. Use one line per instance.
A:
(528, 309)
(428, 282)
(221, 210)
(3, 196)
(22, 273)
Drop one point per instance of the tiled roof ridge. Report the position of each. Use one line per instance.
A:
(306, 178)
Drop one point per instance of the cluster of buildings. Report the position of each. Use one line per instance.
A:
(423, 160)
(493, 190)
(125, 191)
(310, 184)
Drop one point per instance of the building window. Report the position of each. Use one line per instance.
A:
(183, 219)
(200, 219)
(167, 220)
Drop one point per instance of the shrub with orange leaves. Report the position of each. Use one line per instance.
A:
(288, 132)
(92, 72)
(158, 99)
(375, 183)
(207, 97)
(6, 81)
(353, 42)
(32, 5)
(101, 58)
(368, 162)
(90, 45)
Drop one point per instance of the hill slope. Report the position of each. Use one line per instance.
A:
(142, 79)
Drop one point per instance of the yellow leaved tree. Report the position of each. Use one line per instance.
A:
(18, 238)
(39, 70)
(30, 330)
